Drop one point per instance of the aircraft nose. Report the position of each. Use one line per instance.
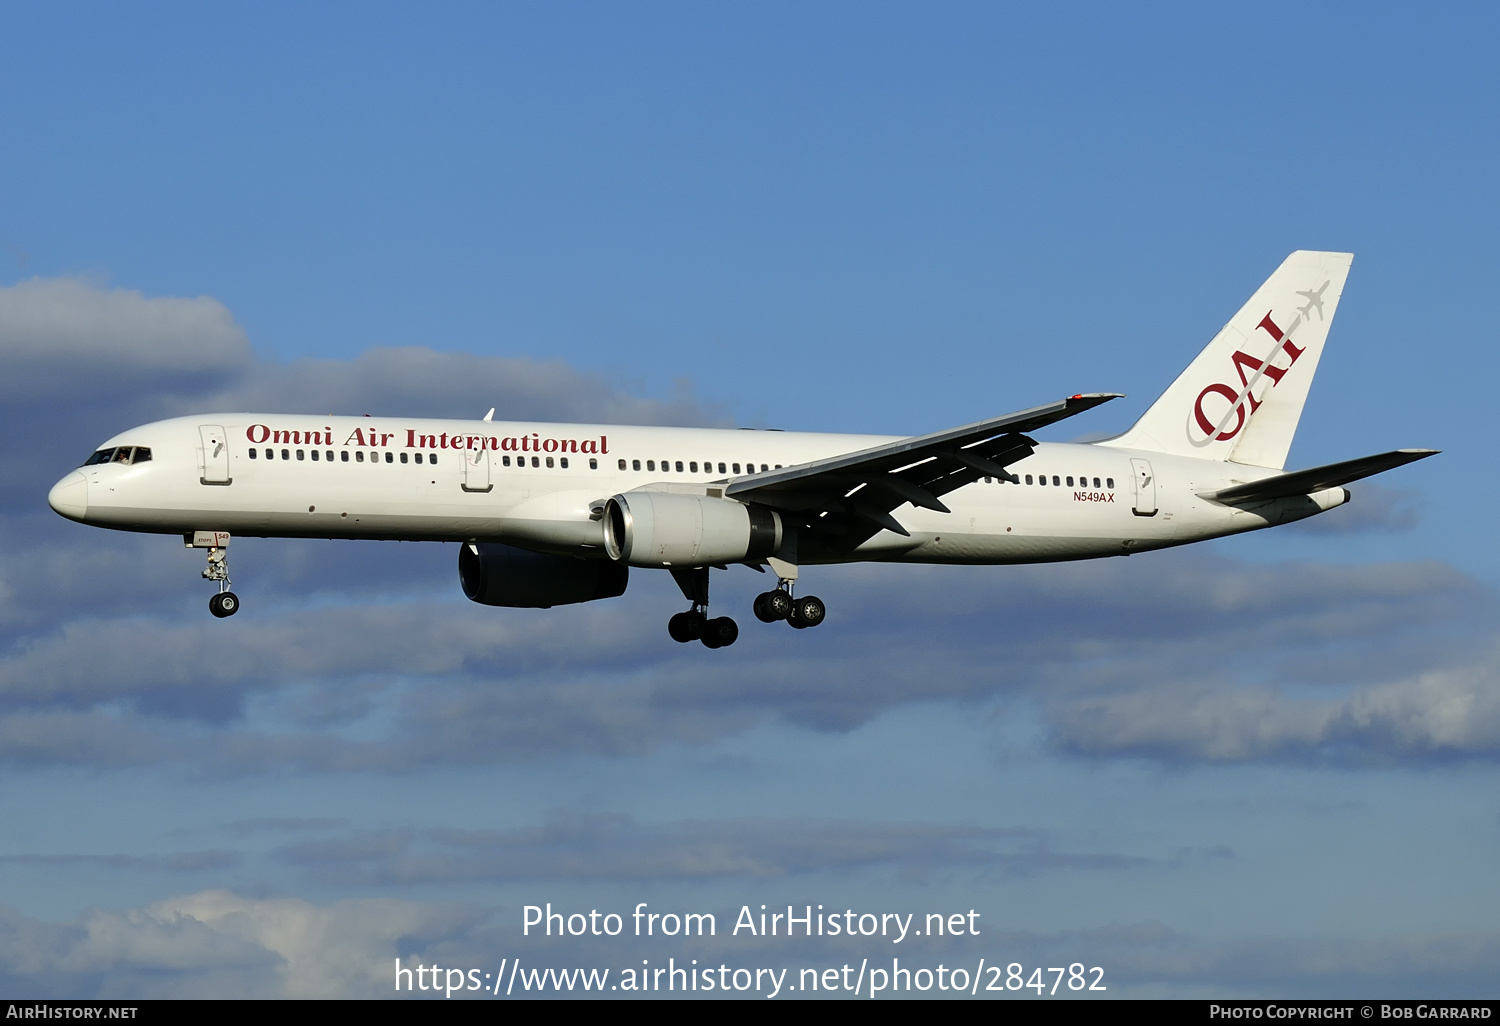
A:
(70, 496)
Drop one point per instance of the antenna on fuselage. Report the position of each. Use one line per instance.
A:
(490, 415)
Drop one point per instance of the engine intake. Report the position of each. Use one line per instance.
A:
(658, 529)
(503, 575)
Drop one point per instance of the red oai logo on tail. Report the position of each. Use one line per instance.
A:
(1250, 371)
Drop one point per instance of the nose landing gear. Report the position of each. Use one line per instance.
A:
(224, 602)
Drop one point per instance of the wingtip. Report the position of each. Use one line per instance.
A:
(1102, 397)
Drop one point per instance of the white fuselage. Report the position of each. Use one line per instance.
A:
(345, 477)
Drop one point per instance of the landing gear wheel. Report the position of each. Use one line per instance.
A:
(226, 603)
(772, 606)
(720, 632)
(685, 627)
(807, 612)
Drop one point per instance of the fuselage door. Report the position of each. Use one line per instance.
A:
(477, 469)
(1145, 488)
(214, 455)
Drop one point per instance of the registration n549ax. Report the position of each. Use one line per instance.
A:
(549, 514)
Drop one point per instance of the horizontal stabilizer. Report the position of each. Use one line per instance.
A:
(1315, 479)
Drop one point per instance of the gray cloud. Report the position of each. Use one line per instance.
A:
(612, 847)
(217, 944)
(1180, 656)
(1447, 713)
(60, 331)
(177, 862)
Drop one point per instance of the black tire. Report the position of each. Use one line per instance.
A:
(229, 604)
(720, 633)
(778, 604)
(685, 627)
(809, 611)
(213, 605)
(771, 606)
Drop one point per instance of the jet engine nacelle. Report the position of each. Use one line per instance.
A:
(503, 575)
(671, 529)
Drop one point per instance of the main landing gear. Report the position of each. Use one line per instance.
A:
(720, 632)
(224, 602)
(779, 605)
(695, 624)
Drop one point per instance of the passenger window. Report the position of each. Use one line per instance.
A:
(329, 455)
(432, 458)
(1070, 480)
(1109, 482)
(254, 453)
(721, 468)
(535, 462)
(505, 461)
(359, 455)
(679, 466)
(299, 454)
(1054, 481)
(1028, 479)
(562, 461)
(315, 454)
(286, 454)
(693, 466)
(549, 462)
(417, 457)
(403, 457)
(593, 463)
(1096, 482)
(637, 464)
(390, 457)
(736, 467)
(344, 456)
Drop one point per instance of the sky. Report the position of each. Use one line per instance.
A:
(1260, 767)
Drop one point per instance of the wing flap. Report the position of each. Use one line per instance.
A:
(1314, 479)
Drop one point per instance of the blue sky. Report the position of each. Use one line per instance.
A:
(1265, 766)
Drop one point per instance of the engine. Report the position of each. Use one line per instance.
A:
(670, 529)
(503, 575)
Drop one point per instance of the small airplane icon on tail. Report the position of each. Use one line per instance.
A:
(1314, 301)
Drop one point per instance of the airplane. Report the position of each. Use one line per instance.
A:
(1314, 300)
(552, 514)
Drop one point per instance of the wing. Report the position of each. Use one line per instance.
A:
(1304, 482)
(852, 496)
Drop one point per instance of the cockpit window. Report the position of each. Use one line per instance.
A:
(123, 454)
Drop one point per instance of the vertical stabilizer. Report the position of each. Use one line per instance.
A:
(1242, 397)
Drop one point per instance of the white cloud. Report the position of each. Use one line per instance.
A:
(219, 944)
(55, 325)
